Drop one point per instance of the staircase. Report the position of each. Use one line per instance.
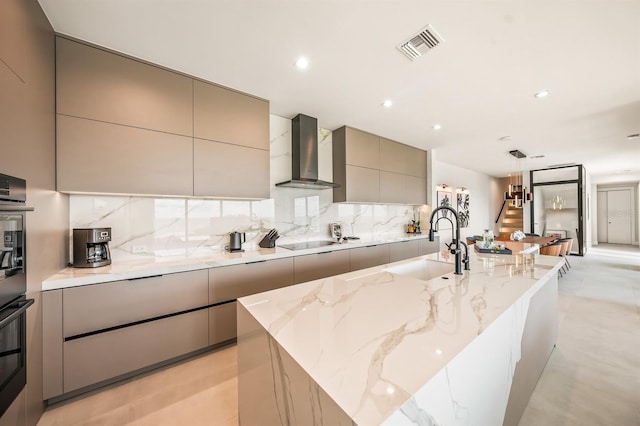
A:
(511, 219)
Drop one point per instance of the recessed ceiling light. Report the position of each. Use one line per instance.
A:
(302, 63)
(536, 156)
(634, 136)
(436, 127)
(387, 103)
(542, 94)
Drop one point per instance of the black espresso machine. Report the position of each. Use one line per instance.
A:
(91, 247)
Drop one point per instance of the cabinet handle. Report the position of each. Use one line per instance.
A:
(256, 261)
(144, 278)
(373, 245)
(324, 252)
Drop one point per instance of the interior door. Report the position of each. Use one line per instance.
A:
(619, 216)
(603, 217)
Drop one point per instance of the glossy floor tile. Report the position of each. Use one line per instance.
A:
(592, 377)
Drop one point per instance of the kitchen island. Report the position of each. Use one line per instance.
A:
(404, 343)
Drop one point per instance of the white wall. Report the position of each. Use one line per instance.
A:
(483, 189)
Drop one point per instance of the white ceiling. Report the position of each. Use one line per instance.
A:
(478, 84)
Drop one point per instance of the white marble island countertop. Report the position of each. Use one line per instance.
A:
(372, 339)
(190, 260)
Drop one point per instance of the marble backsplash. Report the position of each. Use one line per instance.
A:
(147, 226)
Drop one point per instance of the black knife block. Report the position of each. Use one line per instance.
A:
(267, 243)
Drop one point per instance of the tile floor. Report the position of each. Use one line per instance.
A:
(592, 378)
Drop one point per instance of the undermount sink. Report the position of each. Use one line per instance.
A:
(422, 269)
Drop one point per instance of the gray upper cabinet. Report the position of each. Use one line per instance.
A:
(226, 170)
(224, 115)
(93, 156)
(94, 84)
(372, 169)
(135, 122)
(362, 148)
(401, 158)
(402, 189)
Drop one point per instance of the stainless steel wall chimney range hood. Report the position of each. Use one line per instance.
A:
(304, 155)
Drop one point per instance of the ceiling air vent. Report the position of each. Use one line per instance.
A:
(421, 43)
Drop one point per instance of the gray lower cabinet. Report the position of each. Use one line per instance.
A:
(222, 323)
(366, 257)
(321, 265)
(95, 307)
(229, 170)
(428, 247)
(228, 283)
(98, 332)
(92, 359)
(404, 250)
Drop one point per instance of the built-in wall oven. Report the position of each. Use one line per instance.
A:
(13, 286)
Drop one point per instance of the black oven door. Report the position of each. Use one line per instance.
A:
(13, 351)
(13, 282)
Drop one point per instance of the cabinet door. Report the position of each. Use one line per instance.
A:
(362, 148)
(402, 189)
(224, 115)
(404, 250)
(231, 282)
(103, 356)
(92, 83)
(400, 158)
(222, 323)
(320, 265)
(366, 257)
(224, 170)
(99, 306)
(93, 156)
(362, 185)
(13, 36)
(428, 247)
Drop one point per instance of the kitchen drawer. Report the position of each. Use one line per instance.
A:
(428, 247)
(320, 265)
(222, 323)
(98, 306)
(231, 282)
(404, 250)
(103, 356)
(366, 257)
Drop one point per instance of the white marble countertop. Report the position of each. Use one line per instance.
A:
(194, 260)
(372, 338)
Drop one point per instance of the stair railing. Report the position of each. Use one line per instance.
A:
(504, 203)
